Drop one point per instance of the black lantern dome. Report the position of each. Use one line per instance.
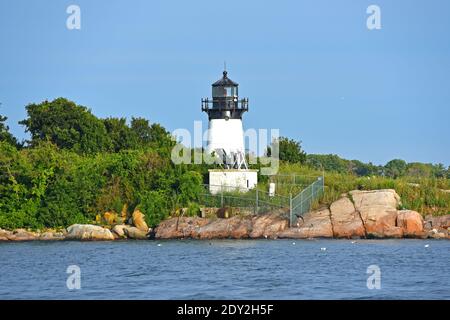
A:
(225, 103)
(225, 81)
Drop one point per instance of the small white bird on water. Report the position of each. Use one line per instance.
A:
(323, 249)
(427, 245)
(159, 244)
(293, 243)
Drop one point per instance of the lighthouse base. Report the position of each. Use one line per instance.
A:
(230, 180)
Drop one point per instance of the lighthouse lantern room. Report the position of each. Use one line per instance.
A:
(226, 137)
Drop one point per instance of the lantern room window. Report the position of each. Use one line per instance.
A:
(219, 92)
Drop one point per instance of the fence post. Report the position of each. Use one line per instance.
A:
(221, 197)
(291, 217)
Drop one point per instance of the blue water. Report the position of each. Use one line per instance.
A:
(226, 269)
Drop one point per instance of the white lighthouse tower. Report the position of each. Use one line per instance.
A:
(226, 137)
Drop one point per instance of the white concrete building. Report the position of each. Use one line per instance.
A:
(232, 180)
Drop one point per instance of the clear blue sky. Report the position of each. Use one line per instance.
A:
(310, 68)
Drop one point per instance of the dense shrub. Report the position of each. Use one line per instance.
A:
(154, 204)
(44, 186)
(77, 166)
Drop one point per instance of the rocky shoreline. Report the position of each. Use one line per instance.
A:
(356, 215)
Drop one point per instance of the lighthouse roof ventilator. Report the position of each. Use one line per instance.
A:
(226, 137)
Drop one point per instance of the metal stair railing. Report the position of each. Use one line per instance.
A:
(302, 202)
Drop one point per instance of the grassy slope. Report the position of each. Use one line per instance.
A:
(424, 195)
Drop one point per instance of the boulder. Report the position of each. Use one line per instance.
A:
(279, 225)
(218, 229)
(110, 218)
(242, 230)
(381, 222)
(5, 235)
(315, 224)
(135, 233)
(119, 231)
(139, 221)
(235, 227)
(411, 222)
(180, 227)
(437, 235)
(378, 211)
(427, 225)
(438, 222)
(345, 220)
(88, 232)
(51, 236)
(386, 198)
(268, 225)
(23, 235)
(293, 233)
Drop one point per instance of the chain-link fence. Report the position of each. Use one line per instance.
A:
(254, 200)
(257, 201)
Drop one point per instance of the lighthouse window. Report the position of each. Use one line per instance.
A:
(218, 92)
(224, 92)
(231, 91)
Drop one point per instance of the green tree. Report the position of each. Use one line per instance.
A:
(5, 135)
(151, 135)
(328, 162)
(360, 168)
(142, 130)
(122, 137)
(395, 168)
(419, 170)
(160, 137)
(67, 125)
(439, 170)
(289, 150)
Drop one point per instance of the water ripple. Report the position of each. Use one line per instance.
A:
(226, 269)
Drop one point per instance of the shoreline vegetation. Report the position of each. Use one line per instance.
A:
(356, 215)
(82, 177)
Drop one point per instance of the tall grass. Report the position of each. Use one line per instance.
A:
(424, 195)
